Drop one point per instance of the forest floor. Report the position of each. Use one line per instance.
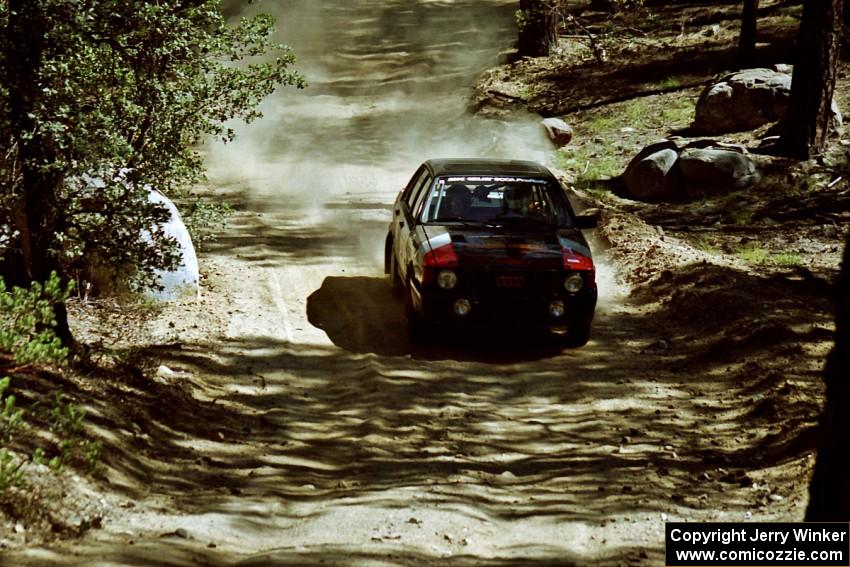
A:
(290, 422)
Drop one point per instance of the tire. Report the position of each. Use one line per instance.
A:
(577, 334)
(396, 284)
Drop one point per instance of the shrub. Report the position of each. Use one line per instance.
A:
(203, 218)
(27, 322)
(67, 423)
(10, 420)
(10, 470)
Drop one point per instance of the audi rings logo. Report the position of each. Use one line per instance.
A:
(510, 281)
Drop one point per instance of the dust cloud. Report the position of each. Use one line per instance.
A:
(389, 83)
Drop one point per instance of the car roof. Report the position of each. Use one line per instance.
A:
(486, 166)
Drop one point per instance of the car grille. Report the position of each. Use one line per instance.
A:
(510, 285)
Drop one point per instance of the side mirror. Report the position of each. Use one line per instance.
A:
(588, 219)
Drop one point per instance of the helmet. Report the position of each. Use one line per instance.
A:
(458, 199)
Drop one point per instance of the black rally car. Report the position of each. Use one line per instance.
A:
(480, 242)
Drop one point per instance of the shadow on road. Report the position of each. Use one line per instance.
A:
(262, 435)
(606, 429)
(360, 315)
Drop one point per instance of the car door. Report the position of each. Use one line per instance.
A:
(406, 241)
(417, 236)
(401, 201)
(398, 223)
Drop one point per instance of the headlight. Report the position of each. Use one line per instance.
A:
(573, 283)
(462, 307)
(557, 309)
(447, 279)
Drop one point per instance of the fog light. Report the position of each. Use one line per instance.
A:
(462, 307)
(573, 283)
(557, 309)
(447, 279)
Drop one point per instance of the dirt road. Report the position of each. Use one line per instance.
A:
(302, 428)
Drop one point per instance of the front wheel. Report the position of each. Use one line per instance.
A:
(577, 334)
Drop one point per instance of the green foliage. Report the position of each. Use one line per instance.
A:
(204, 218)
(785, 259)
(118, 99)
(10, 417)
(66, 421)
(641, 114)
(741, 217)
(670, 83)
(10, 420)
(27, 336)
(68, 424)
(521, 17)
(706, 244)
(27, 322)
(67, 417)
(11, 473)
(590, 162)
(755, 253)
(605, 151)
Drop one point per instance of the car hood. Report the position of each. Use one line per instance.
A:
(483, 246)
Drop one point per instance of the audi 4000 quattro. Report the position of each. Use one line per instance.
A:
(477, 242)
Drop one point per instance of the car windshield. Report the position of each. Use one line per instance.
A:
(495, 201)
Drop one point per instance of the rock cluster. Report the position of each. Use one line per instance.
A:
(663, 171)
(745, 100)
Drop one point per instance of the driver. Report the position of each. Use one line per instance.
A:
(458, 201)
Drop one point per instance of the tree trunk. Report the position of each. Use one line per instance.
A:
(41, 210)
(36, 217)
(829, 491)
(806, 122)
(538, 30)
(747, 39)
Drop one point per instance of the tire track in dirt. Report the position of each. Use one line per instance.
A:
(374, 450)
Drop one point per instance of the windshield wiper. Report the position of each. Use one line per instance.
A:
(543, 223)
(462, 220)
(451, 219)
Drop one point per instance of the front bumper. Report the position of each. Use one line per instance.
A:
(499, 298)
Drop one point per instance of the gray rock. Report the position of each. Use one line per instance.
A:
(652, 175)
(743, 101)
(711, 31)
(184, 280)
(837, 117)
(748, 99)
(715, 171)
(558, 131)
